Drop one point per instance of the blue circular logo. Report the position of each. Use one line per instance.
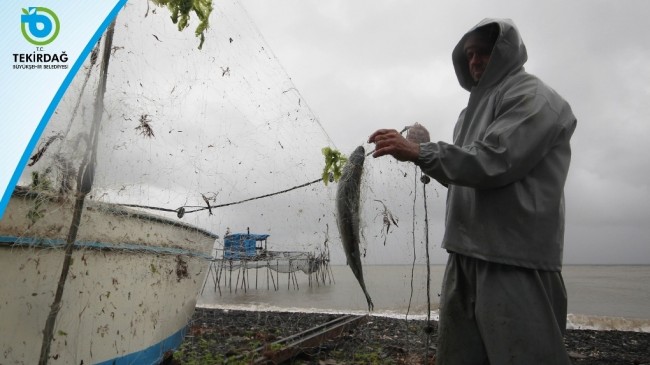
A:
(40, 26)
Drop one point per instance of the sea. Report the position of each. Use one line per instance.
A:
(601, 297)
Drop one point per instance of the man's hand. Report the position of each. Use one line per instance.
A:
(391, 142)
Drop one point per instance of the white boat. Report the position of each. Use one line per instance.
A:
(129, 294)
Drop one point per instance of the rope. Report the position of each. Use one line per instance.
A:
(84, 184)
(429, 328)
(408, 309)
(181, 210)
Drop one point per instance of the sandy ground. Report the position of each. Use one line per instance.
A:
(219, 337)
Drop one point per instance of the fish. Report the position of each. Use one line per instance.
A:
(347, 217)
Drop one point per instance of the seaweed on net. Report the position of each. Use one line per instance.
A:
(180, 14)
(334, 162)
(388, 219)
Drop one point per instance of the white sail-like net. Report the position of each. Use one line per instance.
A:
(188, 130)
(217, 138)
(205, 132)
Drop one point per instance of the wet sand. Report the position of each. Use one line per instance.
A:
(216, 335)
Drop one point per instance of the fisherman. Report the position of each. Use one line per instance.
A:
(503, 299)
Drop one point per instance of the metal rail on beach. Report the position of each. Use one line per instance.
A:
(284, 349)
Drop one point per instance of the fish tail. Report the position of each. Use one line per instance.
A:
(370, 305)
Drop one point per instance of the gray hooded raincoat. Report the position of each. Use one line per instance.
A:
(508, 164)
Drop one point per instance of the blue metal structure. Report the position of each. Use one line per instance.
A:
(241, 246)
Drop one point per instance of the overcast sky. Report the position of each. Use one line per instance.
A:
(363, 65)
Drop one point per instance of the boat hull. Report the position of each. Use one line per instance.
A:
(129, 294)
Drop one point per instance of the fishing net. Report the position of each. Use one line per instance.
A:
(193, 134)
(186, 131)
(155, 135)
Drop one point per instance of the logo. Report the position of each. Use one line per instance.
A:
(40, 26)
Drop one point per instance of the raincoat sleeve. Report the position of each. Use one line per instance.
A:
(525, 128)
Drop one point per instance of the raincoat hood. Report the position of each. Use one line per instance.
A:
(508, 55)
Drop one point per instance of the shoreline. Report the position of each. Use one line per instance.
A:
(214, 335)
(574, 321)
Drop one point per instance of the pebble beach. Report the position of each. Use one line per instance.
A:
(218, 336)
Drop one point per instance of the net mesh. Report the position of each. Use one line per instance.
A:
(218, 138)
(193, 129)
